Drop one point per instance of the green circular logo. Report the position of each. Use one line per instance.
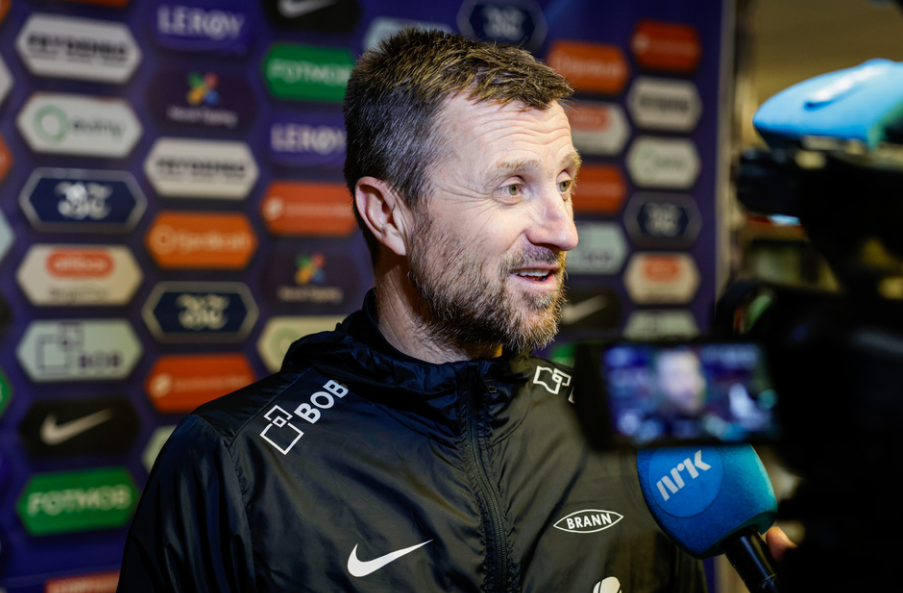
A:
(51, 123)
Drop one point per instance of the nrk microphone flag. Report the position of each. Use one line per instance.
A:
(700, 496)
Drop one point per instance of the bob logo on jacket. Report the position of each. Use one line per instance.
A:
(588, 521)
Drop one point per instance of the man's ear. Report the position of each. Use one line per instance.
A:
(384, 213)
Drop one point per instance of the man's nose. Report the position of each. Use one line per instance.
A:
(554, 225)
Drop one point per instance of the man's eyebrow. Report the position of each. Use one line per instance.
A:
(573, 161)
(508, 168)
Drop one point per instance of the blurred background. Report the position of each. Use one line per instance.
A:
(173, 215)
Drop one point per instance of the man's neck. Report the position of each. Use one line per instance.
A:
(401, 321)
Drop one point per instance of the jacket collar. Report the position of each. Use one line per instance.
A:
(435, 397)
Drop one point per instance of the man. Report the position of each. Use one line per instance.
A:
(419, 447)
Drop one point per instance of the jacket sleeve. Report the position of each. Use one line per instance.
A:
(190, 531)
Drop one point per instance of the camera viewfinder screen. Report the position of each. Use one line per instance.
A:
(713, 392)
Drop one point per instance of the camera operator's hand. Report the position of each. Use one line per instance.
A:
(778, 542)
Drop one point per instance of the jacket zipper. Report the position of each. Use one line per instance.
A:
(490, 496)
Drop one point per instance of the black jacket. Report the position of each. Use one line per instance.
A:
(473, 474)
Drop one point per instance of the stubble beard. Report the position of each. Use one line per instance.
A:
(470, 308)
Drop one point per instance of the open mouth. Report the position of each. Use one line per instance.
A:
(535, 275)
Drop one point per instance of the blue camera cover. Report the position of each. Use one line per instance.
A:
(856, 104)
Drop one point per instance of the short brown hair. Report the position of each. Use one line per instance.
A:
(396, 93)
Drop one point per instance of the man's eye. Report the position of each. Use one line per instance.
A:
(511, 190)
(563, 186)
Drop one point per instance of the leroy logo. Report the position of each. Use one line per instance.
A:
(82, 200)
(80, 500)
(77, 349)
(590, 67)
(185, 167)
(601, 190)
(673, 47)
(180, 383)
(200, 312)
(79, 125)
(201, 240)
(79, 275)
(304, 140)
(588, 521)
(70, 47)
(204, 100)
(302, 208)
(223, 28)
(307, 73)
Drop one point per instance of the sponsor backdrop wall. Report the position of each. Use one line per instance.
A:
(172, 217)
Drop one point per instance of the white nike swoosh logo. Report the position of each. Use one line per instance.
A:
(295, 8)
(361, 569)
(574, 313)
(54, 434)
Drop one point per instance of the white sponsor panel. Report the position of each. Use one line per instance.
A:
(78, 350)
(598, 128)
(71, 47)
(62, 123)
(280, 332)
(661, 278)
(660, 323)
(384, 27)
(79, 275)
(6, 80)
(184, 167)
(6, 236)
(601, 250)
(667, 163)
(664, 104)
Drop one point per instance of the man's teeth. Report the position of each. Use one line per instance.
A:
(533, 273)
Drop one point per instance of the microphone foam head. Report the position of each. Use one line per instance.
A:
(701, 495)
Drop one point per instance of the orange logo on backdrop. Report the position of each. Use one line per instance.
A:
(113, 3)
(180, 383)
(592, 67)
(661, 268)
(199, 240)
(6, 158)
(101, 582)
(674, 47)
(600, 189)
(4, 8)
(79, 263)
(299, 208)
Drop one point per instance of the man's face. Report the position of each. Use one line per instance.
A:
(488, 248)
(681, 381)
